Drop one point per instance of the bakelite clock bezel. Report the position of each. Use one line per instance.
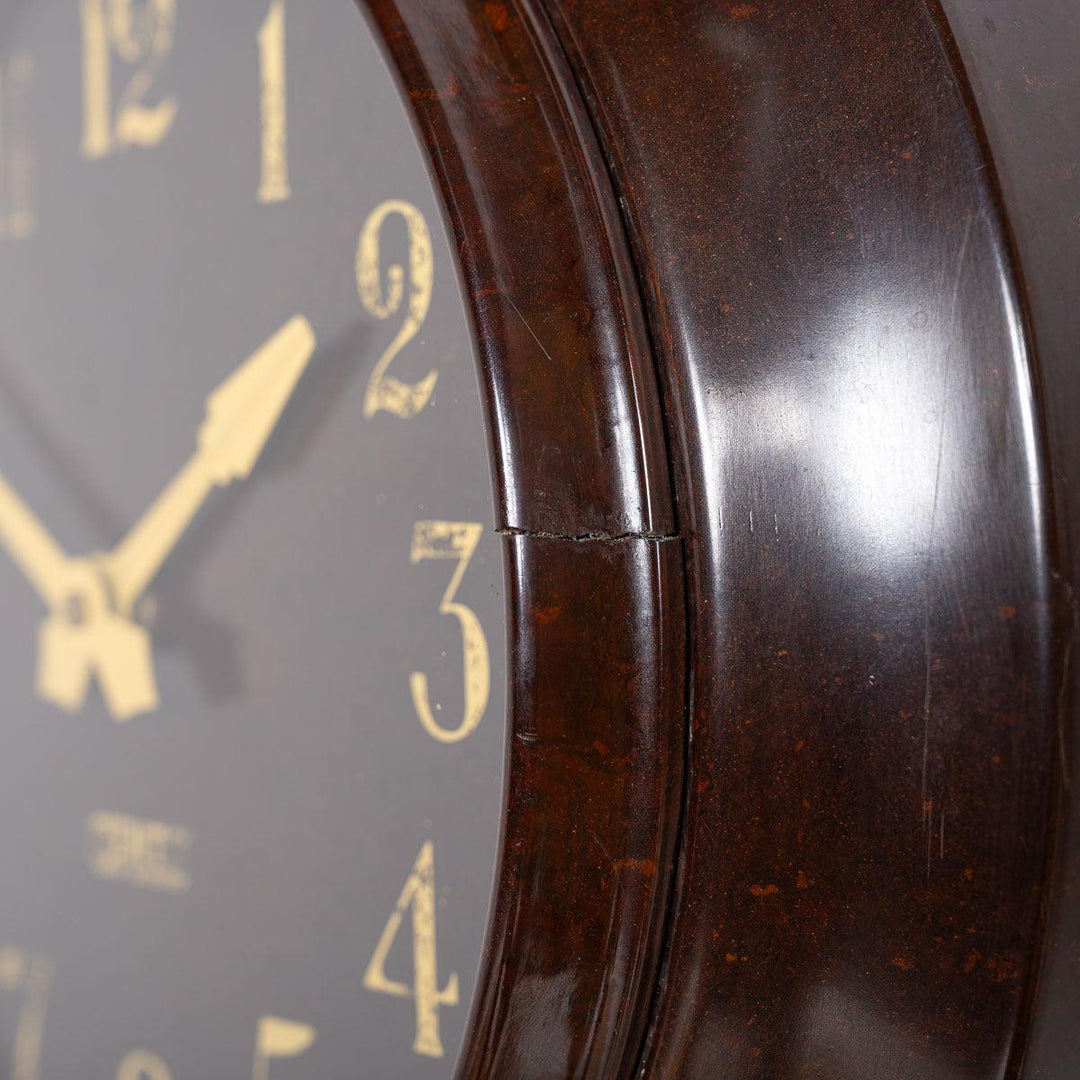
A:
(595, 568)
(708, 804)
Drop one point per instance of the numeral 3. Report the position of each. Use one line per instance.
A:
(454, 540)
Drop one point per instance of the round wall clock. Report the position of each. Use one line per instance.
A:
(538, 538)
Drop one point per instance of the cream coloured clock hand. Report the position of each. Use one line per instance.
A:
(89, 630)
(241, 415)
(81, 635)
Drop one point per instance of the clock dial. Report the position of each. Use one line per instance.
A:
(252, 642)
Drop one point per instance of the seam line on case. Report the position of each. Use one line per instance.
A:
(590, 537)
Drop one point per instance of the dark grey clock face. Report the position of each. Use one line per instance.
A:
(251, 625)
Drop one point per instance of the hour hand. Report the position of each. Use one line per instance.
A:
(241, 415)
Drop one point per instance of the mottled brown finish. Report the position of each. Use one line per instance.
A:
(1023, 62)
(597, 615)
(578, 441)
(595, 762)
(869, 381)
(868, 521)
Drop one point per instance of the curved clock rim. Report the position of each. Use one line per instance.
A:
(596, 619)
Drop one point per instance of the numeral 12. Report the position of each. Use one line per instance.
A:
(140, 35)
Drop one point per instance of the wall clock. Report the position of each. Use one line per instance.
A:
(538, 539)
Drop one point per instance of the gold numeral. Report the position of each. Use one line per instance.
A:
(453, 540)
(277, 1038)
(30, 977)
(274, 187)
(142, 1065)
(418, 894)
(140, 35)
(384, 392)
(17, 216)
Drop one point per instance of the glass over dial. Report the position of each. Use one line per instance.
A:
(251, 625)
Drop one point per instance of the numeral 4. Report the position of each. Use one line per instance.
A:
(419, 896)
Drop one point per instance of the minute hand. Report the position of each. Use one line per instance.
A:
(240, 417)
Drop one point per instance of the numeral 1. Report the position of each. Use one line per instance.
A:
(17, 217)
(141, 35)
(274, 187)
(419, 895)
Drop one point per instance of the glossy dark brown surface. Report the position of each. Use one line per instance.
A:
(597, 618)
(870, 534)
(1024, 66)
(594, 770)
(862, 305)
(578, 440)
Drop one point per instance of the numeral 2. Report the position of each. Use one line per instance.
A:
(386, 393)
(140, 35)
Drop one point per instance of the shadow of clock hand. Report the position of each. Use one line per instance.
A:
(79, 486)
(183, 626)
(177, 622)
(318, 397)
